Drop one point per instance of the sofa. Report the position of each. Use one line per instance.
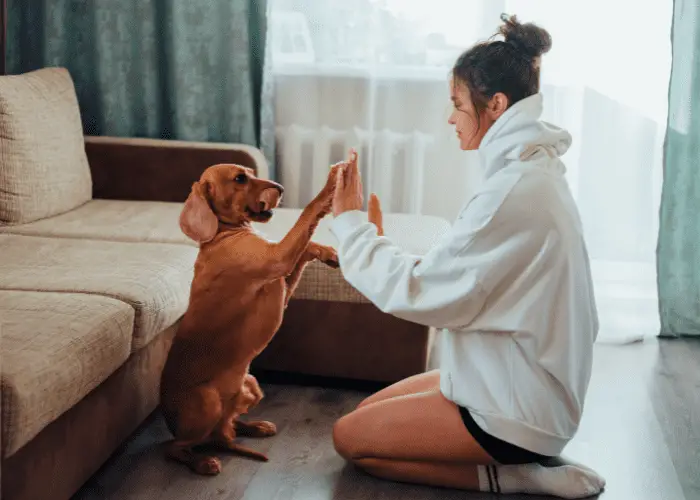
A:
(95, 276)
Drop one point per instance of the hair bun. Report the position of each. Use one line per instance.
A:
(528, 38)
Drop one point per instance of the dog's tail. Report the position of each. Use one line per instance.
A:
(374, 213)
(246, 452)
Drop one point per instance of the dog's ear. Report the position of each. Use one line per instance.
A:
(374, 214)
(197, 220)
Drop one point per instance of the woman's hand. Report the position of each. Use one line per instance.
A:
(348, 188)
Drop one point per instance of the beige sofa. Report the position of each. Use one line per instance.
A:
(95, 275)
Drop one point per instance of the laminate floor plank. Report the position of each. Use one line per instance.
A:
(641, 431)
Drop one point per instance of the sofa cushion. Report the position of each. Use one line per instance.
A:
(154, 279)
(43, 167)
(113, 220)
(158, 222)
(56, 348)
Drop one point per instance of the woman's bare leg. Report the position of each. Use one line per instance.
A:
(418, 427)
(423, 382)
(463, 476)
(448, 474)
(420, 438)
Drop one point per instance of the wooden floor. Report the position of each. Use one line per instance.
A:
(641, 431)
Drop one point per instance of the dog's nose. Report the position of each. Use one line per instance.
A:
(273, 185)
(269, 198)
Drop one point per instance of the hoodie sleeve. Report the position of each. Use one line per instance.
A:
(447, 287)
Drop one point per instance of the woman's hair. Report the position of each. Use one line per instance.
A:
(511, 66)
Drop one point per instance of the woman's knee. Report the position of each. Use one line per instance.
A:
(367, 401)
(345, 437)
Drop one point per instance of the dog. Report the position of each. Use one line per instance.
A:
(242, 285)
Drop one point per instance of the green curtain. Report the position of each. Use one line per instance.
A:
(678, 254)
(172, 69)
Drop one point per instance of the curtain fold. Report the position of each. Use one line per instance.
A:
(171, 69)
(678, 250)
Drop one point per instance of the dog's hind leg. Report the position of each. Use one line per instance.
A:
(224, 438)
(198, 414)
(250, 397)
(256, 429)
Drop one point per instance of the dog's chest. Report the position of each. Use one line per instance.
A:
(268, 307)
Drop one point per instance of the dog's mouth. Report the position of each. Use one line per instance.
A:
(260, 210)
(260, 216)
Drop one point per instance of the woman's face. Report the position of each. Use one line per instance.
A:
(471, 127)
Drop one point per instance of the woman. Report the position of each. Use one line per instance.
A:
(510, 287)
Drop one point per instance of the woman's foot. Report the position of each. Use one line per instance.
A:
(558, 477)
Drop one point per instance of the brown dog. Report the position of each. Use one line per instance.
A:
(242, 284)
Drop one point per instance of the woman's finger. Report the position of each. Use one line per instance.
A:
(374, 213)
(339, 177)
(353, 174)
(341, 174)
(351, 166)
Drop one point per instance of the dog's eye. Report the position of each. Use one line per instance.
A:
(241, 179)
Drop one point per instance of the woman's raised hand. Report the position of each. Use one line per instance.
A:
(348, 188)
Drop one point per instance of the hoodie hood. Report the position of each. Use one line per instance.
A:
(520, 135)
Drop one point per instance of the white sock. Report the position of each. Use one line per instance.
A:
(566, 480)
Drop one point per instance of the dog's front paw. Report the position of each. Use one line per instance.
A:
(331, 259)
(325, 254)
(324, 199)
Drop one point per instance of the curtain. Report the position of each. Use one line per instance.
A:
(172, 69)
(373, 74)
(679, 229)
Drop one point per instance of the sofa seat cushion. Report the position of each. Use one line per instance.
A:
(113, 220)
(43, 166)
(158, 222)
(56, 348)
(154, 279)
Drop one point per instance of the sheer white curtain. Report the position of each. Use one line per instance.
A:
(373, 74)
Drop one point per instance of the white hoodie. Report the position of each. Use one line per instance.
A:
(510, 286)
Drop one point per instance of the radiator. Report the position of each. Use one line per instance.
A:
(392, 164)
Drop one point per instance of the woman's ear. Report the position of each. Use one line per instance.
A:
(197, 220)
(497, 105)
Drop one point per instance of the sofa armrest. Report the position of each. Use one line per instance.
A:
(159, 170)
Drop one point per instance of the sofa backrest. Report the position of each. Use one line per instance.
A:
(43, 166)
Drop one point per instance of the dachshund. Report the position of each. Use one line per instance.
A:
(242, 285)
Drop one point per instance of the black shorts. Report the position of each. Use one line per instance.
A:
(501, 451)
